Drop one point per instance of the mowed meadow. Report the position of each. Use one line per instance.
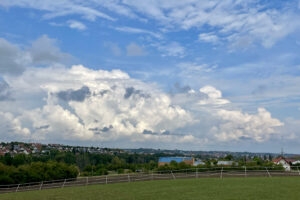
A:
(259, 188)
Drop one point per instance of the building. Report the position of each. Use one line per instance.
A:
(286, 163)
(167, 160)
(226, 163)
(296, 162)
(198, 162)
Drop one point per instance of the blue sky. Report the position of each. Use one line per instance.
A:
(199, 75)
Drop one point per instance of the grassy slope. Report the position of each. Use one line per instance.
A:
(204, 189)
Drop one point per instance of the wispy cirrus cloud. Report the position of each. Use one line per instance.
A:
(73, 24)
(234, 21)
(170, 49)
(239, 23)
(209, 37)
(138, 31)
(58, 8)
(114, 48)
(133, 49)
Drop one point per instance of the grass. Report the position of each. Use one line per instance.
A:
(204, 188)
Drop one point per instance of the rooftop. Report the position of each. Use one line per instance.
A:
(177, 159)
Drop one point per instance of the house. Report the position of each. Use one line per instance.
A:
(2, 153)
(286, 163)
(167, 160)
(16, 147)
(198, 162)
(296, 162)
(226, 163)
(25, 152)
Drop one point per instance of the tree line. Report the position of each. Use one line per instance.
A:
(36, 172)
(55, 164)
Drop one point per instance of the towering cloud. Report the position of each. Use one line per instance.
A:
(81, 104)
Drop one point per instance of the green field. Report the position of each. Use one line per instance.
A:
(205, 188)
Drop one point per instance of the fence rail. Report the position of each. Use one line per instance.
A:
(221, 172)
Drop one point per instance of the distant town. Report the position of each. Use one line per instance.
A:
(14, 148)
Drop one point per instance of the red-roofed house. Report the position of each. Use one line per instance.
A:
(286, 163)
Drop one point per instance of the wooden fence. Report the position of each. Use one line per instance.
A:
(221, 172)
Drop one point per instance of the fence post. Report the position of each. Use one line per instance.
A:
(245, 171)
(173, 175)
(298, 171)
(221, 175)
(64, 183)
(128, 178)
(87, 180)
(268, 172)
(196, 172)
(18, 188)
(106, 179)
(41, 185)
(152, 176)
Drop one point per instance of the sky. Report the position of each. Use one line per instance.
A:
(168, 74)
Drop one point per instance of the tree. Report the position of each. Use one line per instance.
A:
(8, 159)
(258, 160)
(19, 159)
(4, 179)
(120, 171)
(207, 163)
(152, 164)
(183, 165)
(116, 161)
(229, 157)
(173, 164)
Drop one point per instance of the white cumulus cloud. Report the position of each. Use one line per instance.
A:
(94, 105)
(237, 125)
(214, 96)
(76, 25)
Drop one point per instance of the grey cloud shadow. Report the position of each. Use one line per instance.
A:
(74, 95)
(132, 91)
(5, 93)
(101, 130)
